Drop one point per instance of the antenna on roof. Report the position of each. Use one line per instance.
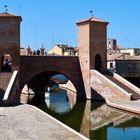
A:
(53, 41)
(91, 12)
(6, 9)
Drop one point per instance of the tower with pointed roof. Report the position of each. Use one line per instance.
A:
(92, 39)
(10, 38)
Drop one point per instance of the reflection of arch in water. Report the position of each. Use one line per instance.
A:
(98, 62)
(72, 118)
(38, 84)
(6, 63)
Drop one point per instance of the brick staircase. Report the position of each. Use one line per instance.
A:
(4, 81)
(134, 95)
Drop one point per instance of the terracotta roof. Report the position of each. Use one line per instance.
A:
(6, 14)
(113, 56)
(92, 20)
(121, 56)
(57, 80)
(131, 58)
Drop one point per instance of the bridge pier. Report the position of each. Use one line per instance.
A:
(37, 84)
(38, 99)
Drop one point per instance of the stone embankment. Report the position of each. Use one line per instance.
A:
(69, 85)
(29, 123)
(116, 91)
(131, 106)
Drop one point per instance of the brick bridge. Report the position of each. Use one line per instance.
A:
(42, 68)
(83, 70)
(35, 70)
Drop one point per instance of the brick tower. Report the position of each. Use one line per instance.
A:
(10, 39)
(92, 38)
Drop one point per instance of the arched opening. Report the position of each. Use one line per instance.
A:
(6, 63)
(59, 92)
(61, 96)
(98, 62)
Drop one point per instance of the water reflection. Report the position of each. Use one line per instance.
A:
(105, 115)
(95, 120)
(60, 100)
(73, 118)
(111, 124)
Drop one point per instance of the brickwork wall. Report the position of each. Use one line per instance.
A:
(10, 39)
(83, 47)
(92, 41)
(84, 58)
(98, 44)
(67, 65)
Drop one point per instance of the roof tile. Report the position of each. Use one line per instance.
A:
(92, 20)
(6, 14)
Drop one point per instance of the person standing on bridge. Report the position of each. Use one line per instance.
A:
(34, 53)
(38, 52)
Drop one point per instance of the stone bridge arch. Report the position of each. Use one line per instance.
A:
(44, 76)
(42, 67)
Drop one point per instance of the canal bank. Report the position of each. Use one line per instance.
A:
(95, 120)
(30, 123)
(126, 105)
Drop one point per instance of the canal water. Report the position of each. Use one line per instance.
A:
(95, 120)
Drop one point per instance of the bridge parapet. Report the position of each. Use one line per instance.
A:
(39, 64)
(104, 88)
(12, 92)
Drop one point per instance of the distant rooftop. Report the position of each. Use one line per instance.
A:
(131, 58)
(130, 48)
(113, 56)
(92, 20)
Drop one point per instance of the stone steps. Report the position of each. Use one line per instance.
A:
(123, 86)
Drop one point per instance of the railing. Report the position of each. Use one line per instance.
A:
(11, 89)
(129, 74)
(127, 83)
(119, 92)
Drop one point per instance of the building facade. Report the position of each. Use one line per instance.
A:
(131, 51)
(60, 49)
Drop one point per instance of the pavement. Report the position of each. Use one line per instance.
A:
(26, 122)
(127, 105)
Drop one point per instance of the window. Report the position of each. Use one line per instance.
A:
(111, 65)
(6, 62)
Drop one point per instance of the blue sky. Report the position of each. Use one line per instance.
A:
(50, 22)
